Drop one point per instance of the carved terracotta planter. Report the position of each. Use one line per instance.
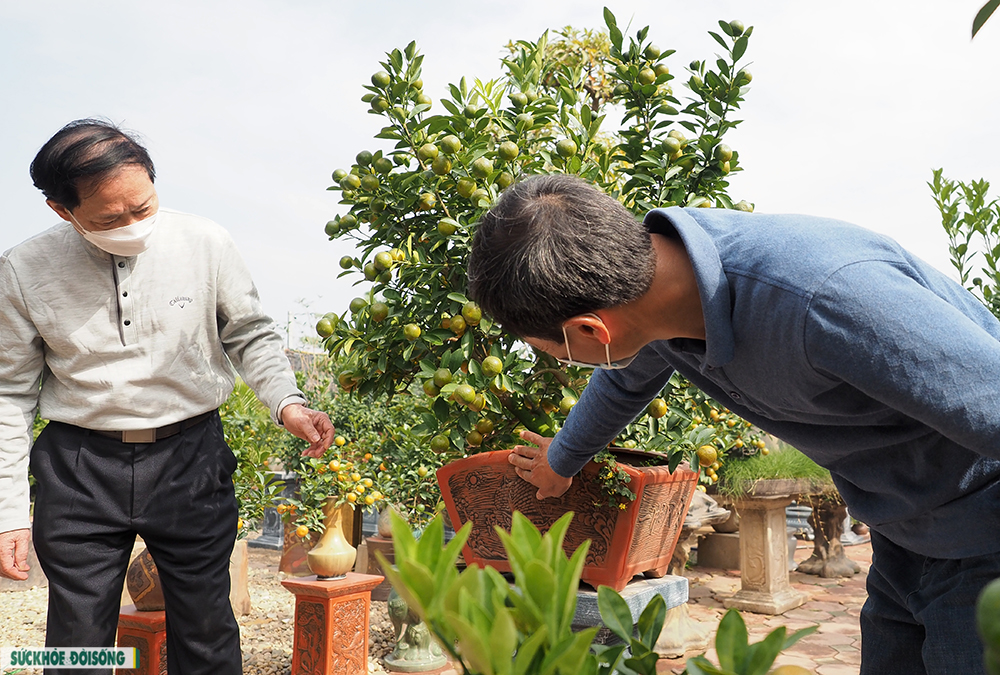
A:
(640, 539)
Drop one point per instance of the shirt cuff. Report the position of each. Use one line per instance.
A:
(284, 403)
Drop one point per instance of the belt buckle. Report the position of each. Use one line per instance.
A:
(139, 436)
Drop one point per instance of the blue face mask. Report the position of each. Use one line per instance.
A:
(609, 365)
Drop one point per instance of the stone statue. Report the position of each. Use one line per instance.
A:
(415, 651)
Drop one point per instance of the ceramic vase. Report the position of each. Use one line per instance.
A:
(333, 556)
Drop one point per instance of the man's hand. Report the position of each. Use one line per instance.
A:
(532, 465)
(14, 554)
(309, 425)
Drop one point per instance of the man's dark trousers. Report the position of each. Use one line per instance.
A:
(94, 494)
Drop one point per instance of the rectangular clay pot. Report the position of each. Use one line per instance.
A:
(639, 539)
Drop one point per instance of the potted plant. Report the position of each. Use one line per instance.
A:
(492, 627)
(412, 207)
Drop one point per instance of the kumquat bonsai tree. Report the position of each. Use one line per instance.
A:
(411, 204)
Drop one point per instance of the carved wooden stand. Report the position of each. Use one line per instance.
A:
(764, 549)
(146, 632)
(331, 624)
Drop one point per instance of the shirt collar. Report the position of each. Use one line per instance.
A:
(713, 287)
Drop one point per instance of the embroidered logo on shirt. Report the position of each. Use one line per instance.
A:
(180, 301)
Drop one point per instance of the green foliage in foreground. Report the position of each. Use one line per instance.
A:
(491, 627)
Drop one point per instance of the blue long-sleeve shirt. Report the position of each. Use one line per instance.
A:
(838, 341)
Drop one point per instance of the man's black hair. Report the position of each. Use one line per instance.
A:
(85, 152)
(554, 247)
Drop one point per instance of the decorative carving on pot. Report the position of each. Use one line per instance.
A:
(333, 556)
(640, 539)
(143, 583)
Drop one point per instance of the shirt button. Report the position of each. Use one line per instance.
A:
(735, 395)
(121, 264)
(127, 322)
(124, 294)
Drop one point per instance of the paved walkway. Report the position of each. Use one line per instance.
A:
(834, 604)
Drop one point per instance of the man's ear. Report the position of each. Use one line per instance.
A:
(589, 327)
(60, 210)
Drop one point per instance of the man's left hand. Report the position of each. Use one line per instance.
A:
(309, 425)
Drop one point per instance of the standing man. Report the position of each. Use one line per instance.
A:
(828, 336)
(122, 326)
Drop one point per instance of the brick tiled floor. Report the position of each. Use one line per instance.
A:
(833, 604)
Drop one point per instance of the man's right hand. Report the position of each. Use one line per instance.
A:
(532, 465)
(14, 554)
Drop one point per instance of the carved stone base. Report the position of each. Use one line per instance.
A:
(636, 595)
(331, 624)
(681, 634)
(765, 603)
(147, 633)
(828, 559)
(764, 553)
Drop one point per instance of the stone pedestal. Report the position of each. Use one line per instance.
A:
(147, 633)
(764, 552)
(719, 550)
(331, 624)
(637, 595)
(383, 546)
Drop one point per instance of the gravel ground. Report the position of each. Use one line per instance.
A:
(266, 633)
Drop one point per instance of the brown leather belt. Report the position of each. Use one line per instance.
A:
(153, 435)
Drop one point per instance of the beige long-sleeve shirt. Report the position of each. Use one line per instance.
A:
(114, 343)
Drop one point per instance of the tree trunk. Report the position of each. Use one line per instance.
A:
(828, 559)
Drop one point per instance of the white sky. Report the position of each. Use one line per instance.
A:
(247, 106)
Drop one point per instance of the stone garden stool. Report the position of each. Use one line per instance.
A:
(765, 588)
(331, 624)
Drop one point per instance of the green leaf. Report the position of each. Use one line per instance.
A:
(984, 13)
(651, 621)
(528, 650)
(615, 612)
(699, 665)
(798, 635)
(613, 32)
(740, 48)
(760, 656)
(731, 641)
(458, 297)
(503, 641)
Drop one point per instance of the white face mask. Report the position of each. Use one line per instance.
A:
(609, 365)
(123, 241)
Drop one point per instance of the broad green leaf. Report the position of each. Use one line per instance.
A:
(528, 650)
(760, 656)
(740, 48)
(731, 641)
(503, 641)
(699, 665)
(798, 635)
(615, 612)
(984, 13)
(472, 645)
(651, 621)
(569, 654)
